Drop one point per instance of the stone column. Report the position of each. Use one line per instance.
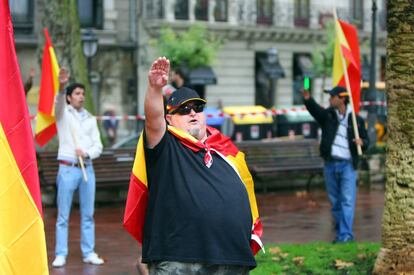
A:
(211, 7)
(191, 10)
(169, 10)
(233, 12)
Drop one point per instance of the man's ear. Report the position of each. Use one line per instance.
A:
(168, 118)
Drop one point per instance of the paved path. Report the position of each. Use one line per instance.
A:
(288, 217)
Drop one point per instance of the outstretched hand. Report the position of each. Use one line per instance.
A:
(158, 74)
(306, 94)
(63, 78)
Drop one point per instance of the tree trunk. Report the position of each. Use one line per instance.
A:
(62, 20)
(397, 253)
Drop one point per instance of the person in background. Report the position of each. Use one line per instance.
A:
(178, 78)
(110, 125)
(338, 148)
(79, 140)
(29, 82)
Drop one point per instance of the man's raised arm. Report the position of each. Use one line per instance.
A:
(155, 123)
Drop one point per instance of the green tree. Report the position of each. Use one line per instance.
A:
(62, 20)
(192, 48)
(397, 248)
(322, 55)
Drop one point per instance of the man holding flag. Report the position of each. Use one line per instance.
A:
(191, 200)
(343, 132)
(79, 144)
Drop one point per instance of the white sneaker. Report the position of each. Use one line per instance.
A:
(59, 261)
(93, 259)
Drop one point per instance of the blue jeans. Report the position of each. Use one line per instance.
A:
(70, 179)
(340, 181)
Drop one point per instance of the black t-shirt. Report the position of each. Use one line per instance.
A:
(195, 213)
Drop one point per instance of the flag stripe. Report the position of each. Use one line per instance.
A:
(44, 136)
(14, 115)
(21, 225)
(136, 207)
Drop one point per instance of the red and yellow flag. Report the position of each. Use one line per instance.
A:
(49, 85)
(22, 236)
(136, 205)
(347, 47)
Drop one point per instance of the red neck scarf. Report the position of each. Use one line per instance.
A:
(215, 141)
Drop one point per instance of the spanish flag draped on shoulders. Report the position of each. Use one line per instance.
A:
(137, 199)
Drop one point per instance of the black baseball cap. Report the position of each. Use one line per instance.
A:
(338, 90)
(181, 96)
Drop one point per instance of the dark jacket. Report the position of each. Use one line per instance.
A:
(329, 123)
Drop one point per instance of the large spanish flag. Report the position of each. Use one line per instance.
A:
(347, 47)
(136, 205)
(22, 236)
(49, 85)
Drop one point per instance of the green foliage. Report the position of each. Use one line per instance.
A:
(322, 55)
(62, 20)
(193, 48)
(317, 258)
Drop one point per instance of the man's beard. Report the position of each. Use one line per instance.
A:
(195, 132)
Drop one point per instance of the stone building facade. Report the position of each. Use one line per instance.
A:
(249, 28)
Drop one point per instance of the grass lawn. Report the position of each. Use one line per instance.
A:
(317, 258)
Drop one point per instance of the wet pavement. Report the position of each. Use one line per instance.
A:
(288, 217)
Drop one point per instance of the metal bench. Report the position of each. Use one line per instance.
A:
(268, 160)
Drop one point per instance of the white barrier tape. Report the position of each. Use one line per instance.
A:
(373, 103)
(267, 113)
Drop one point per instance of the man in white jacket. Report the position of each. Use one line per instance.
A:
(79, 139)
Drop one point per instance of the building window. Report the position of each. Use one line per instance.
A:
(201, 10)
(264, 12)
(181, 9)
(22, 15)
(90, 13)
(302, 13)
(357, 13)
(154, 9)
(220, 11)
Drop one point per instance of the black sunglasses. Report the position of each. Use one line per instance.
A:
(186, 109)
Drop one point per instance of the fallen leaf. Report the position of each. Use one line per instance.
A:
(339, 264)
(362, 256)
(301, 194)
(298, 260)
(284, 255)
(276, 259)
(312, 203)
(275, 250)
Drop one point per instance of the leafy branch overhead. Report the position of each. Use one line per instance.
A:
(322, 55)
(193, 48)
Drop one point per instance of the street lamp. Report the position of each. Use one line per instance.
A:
(90, 47)
(371, 96)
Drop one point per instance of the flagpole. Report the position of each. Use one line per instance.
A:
(348, 87)
(85, 176)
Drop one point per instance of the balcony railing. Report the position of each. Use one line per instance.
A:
(279, 13)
